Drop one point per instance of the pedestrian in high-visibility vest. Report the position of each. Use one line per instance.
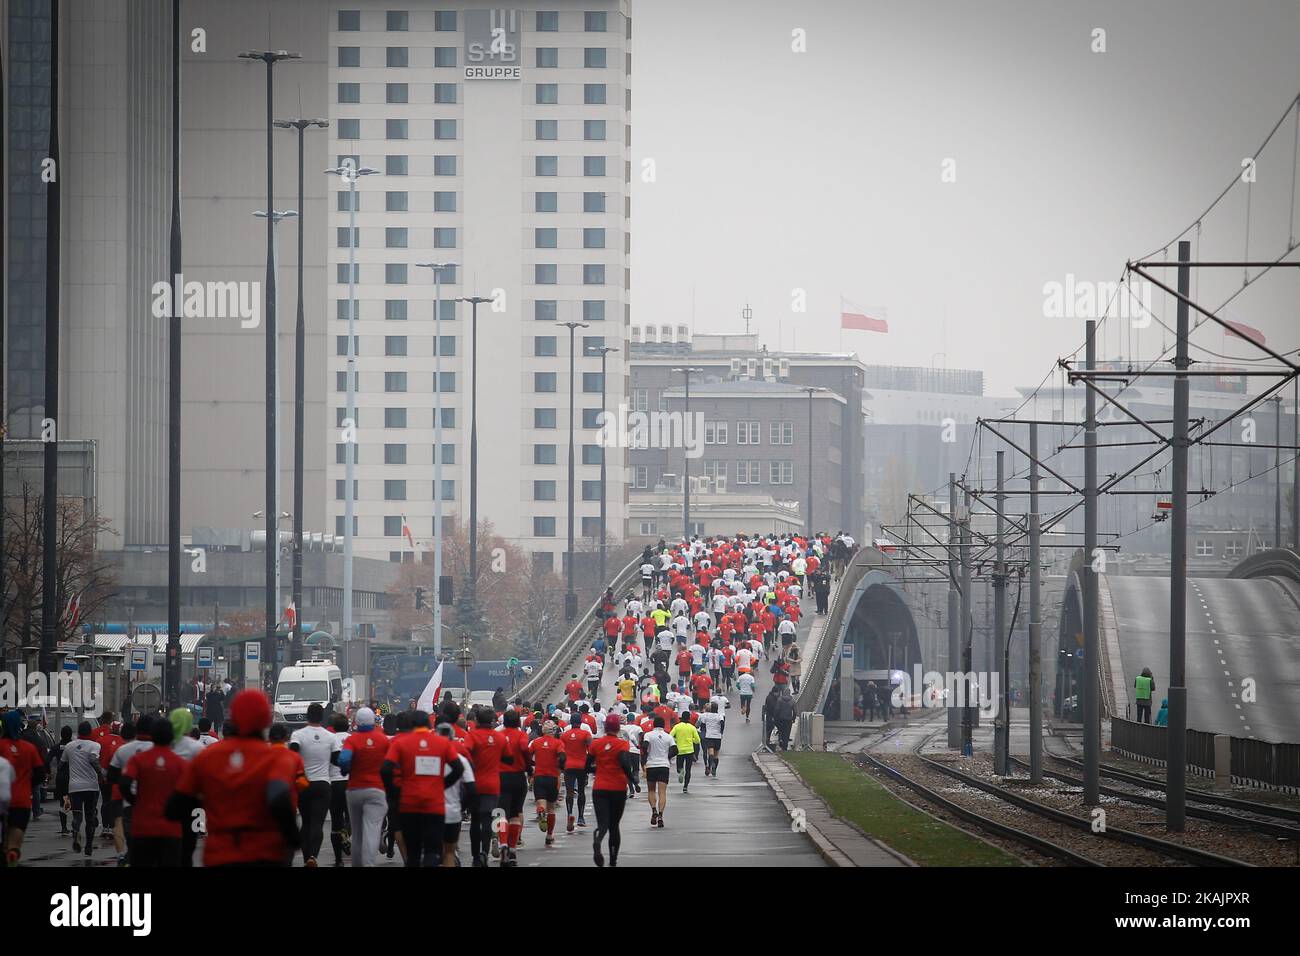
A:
(1143, 687)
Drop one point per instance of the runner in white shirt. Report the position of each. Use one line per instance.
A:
(744, 659)
(679, 607)
(592, 669)
(657, 752)
(314, 744)
(701, 620)
(682, 626)
(745, 684)
(710, 724)
(698, 652)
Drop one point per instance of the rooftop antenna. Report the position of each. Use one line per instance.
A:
(747, 313)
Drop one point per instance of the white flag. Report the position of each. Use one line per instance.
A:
(429, 696)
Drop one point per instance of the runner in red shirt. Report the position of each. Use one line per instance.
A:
(29, 770)
(516, 763)
(574, 689)
(362, 759)
(683, 668)
(244, 787)
(484, 746)
(428, 763)
(611, 759)
(577, 743)
(702, 687)
(547, 753)
(147, 783)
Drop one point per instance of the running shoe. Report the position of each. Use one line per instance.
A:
(541, 820)
(654, 817)
(661, 821)
(582, 823)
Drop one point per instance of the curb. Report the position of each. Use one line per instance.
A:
(825, 848)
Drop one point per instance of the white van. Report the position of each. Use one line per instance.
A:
(306, 683)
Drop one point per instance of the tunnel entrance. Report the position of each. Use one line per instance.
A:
(884, 638)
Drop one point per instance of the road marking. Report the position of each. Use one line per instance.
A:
(1238, 706)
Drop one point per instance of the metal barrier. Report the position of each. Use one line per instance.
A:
(548, 673)
(818, 672)
(1254, 762)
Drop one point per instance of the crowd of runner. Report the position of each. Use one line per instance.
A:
(652, 696)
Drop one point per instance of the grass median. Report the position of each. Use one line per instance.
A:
(856, 797)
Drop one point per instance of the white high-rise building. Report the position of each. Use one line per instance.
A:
(503, 137)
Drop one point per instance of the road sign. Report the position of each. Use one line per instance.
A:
(464, 659)
(205, 657)
(846, 652)
(146, 698)
(140, 658)
(252, 652)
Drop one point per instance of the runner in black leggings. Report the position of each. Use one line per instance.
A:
(611, 759)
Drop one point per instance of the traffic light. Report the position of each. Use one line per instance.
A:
(419, 599)
(444, 591)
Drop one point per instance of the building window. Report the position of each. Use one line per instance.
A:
(544, 310)
(444, 56)
(545, 129)
(593, 94)
(593, 274)
(398, 21)
(349, 129)
(593, 129)
(548, 21)
(444, 165)
(640, 477)
(780, 433)
(341, 489)
(1204, 548)
(395, 273)
(544, 238)
(444, 129)
(448, 489)
(543, 454)
(446, 382)
(544, 202)
(349, 93)
(347, 200)
(594, 57)
(340, 381)
(749, 433)
(593, 310)
(593, 238)
(592, 454)
(338, 525)
(593, 165)
(449, 418)
(447, 308)
(545, 273)
(395, 345)
(392, 526)
(714, 470)
(715, 433)
(444, 237)
(448, 454)
(548, 57)
(544, 346)
(340, 453)
(394, 381)
(592, 382)
(749, 472)
(591, 490)
(543, 381)
(591, 417)
(780, 472)
(349, 56)
(547, 93)
(349, 21)
(396, 93)
(342, 236)
(543, 527)
(649, 529)
(591, 527)
(395, 237)
(395, 202)
(640, 399)
(444, 21)
(394, 453)
(397, 56)
(593, 21)
(395, 310)
(444, 201)
(593, 202)
(444, 93)
(394, 417)
(1233, 549)
(396, 165)
(543, 418)
(544, 490)
(394, 489)
(546, 166)
(396, 129)
(341, 345)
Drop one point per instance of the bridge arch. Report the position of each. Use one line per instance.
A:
(1067, 701)
(1282, 563)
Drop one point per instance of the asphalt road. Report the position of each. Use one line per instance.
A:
(1238, 630)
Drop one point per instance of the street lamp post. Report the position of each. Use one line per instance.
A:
(811, 390)
(172, 683)
(275, 217)
(348, 172)
(299, 380)
(270, 58)
(472, 584)
(570, 598)
(604, 351)
(437, 268)
(686, 456)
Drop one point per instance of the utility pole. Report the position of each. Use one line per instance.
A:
(968, 627)
(954, 613)
(1035, 623)
(1091, 644)
(1295, 466)
(686, 459)
(570, 596)
(1176, 758)
(1277, 472)
(1002, 734)
(474, 302)
(811, 390)
(50, 477)
(172, 673)
(604, 351)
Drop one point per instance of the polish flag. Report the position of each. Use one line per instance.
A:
(406, 530)
(854, 316)
(291, 615)
(1243, 331)
(432, 690)
(72, 613)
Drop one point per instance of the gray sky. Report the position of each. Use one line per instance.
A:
(820, 170)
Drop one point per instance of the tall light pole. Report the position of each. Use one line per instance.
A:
(437, 268)
(275, 217)
(349, 173)
(270, 58)
(299, 387)
(810, 390)
(172, 678)
(570, 598)
(686, 456)
(474, 302)
(1277, 471)
(603, 351)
